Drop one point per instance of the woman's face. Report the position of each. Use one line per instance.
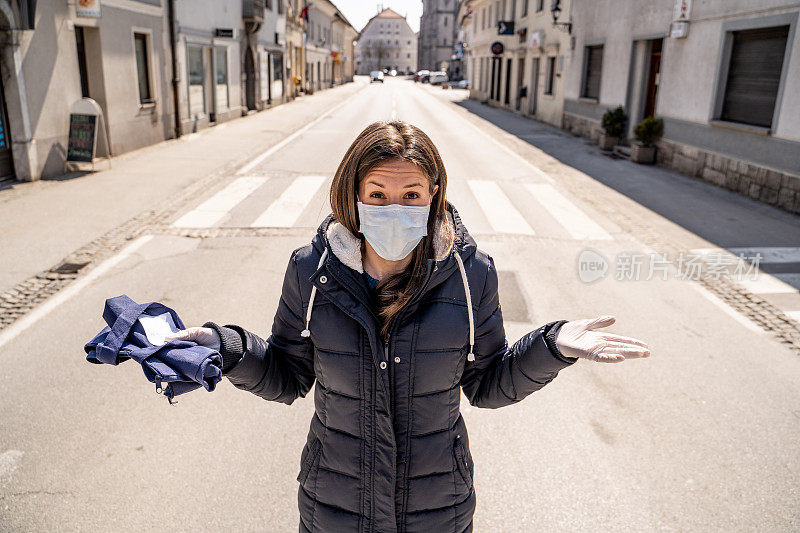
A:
(395, 181)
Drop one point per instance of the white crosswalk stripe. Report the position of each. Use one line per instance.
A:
(210, 212)
(285, 211)
(573, 219)
(501, 213)
(769, 254)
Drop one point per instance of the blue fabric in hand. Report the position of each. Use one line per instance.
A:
(136, 331)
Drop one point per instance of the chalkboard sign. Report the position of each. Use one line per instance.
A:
(82, 136)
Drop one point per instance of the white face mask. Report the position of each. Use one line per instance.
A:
(393, 230)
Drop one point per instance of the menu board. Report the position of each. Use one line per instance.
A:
(82, 136)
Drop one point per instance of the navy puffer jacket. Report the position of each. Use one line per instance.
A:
(387, 448)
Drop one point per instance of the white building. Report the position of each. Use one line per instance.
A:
(724, 75)
(520, 70)
(386, 42)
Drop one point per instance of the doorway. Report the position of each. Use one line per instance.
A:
(520, 81)
(250, 78)
(507, 99)
(533, 92)
(6, 159)
(651, 89)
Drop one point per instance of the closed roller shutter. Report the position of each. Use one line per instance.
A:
(754, 75)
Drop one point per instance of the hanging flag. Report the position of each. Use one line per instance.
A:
(304, 14)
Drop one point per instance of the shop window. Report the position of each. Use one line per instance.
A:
(754, 74)
(143, 68)
(221, 76)
(593, 68)
(195, 66)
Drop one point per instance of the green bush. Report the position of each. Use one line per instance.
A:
(614, 121)
(649, 131)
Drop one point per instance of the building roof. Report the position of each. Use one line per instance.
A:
(387, 13)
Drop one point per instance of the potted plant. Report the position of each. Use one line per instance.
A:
(613, 127)
(647, 132)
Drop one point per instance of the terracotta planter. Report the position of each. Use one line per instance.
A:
(643, 154)
(606, 142)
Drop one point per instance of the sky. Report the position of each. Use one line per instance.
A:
(358, 12)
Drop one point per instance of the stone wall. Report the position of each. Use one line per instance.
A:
(773, 187)
(764, 184)
(580, 125)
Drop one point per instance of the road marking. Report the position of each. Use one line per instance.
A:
(775, 254)
(258, 159)
(571, 217)
(499, 211)
(210, 212)
(285, 211)
(711, 297)
(769, 284)
(536, 170)
(17, 327)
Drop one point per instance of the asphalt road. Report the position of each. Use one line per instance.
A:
(703, 435)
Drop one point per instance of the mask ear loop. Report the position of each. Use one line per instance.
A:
(470, 355)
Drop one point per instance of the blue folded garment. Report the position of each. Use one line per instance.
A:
(136, 331)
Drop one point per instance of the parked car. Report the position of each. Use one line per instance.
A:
(376, 75)
(393, 72)
(460, 84)
(437, 78)
(420, 75)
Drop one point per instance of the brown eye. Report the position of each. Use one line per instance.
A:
(373, 195)
(414, 195)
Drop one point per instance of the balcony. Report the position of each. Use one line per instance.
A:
(253, 11)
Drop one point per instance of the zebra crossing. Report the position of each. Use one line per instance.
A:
(486, 207)
(776, 276)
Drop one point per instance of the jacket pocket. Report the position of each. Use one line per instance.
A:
(308, 462)
(461, 460)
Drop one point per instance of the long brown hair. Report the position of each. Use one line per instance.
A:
(381, 141)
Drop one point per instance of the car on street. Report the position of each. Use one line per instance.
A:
(420, 75)
(439, 77)
(376, 75)
(393, 72)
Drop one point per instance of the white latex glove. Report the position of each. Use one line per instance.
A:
(576, 338)
(203, 336)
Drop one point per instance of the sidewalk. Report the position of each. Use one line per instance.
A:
(43, 222)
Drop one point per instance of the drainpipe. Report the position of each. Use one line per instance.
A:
(175, 78)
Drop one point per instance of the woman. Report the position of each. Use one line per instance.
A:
(393, 310)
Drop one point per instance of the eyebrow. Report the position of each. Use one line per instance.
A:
(406, 187)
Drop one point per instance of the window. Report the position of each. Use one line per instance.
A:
(551, 75)
(445, 22)
(592, 71)
(524, 8)
(754, 75)
(221, 76)
(539, 5)
(483, 18)
(194, 64)
(142, 68)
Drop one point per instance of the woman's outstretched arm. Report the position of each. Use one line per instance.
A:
(501, 375)
(280, 368)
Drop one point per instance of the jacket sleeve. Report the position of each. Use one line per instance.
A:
(280, 368)
(501, 375)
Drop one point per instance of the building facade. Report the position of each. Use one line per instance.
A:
(386, 42)
(437, 34)
(54, 54)
(515, 58)
(724, 75)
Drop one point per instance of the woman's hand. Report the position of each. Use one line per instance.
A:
(576, 338)
(203, 336)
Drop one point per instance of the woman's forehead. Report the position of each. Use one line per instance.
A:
(394, 172)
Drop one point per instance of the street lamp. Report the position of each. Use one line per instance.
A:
(555, 10)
